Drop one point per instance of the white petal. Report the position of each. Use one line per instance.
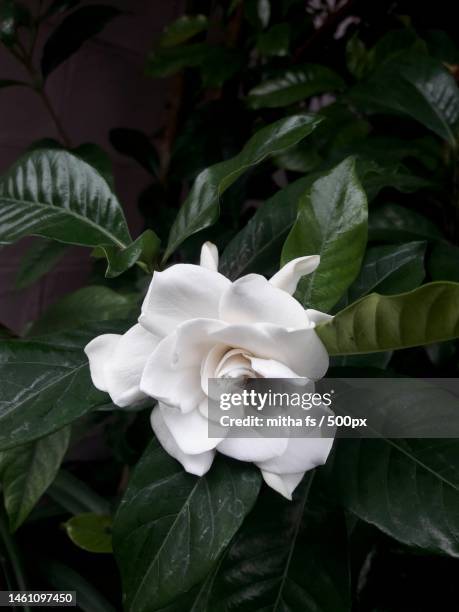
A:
(270, 368)
(116, 363)
(210, 363)
(161, 379)
(180, 293)
(209, 256)
(98, 352)
(284, 484)
(194, 464)
(316, 317)
(190, 431)
(289, 275)
(300, 349)
(252, 299)
(253, 449)
(172, 374)
(301, 455)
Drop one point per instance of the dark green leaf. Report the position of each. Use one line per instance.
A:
(89, 304)
(170, 60)
(275, 41)
(96, 157)
(181, 30)
(332, 223)
(27, 471)
(137, 145)
(407, 488)
(201, 208)
(394, 223)
(92, 532)
(60, 6)
(443, 263)
(382, 323)
(258, 12)
(57, 195)
(294, 85)
(13, 15)
(11, 562)
(75, 496)
(64, 578)
(72, 32)
(10, 83)
(38, 260)
(45, 385)
(171, 527)
(257, 247)
(389, 270)
(377, 176)
(417, 86)
(281, 546)
(143, 251)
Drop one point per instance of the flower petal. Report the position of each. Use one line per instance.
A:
(289, 275)
(116, 363)
(301, 455)
(257, 448)
(316, 317)
(301, 350)
(252, 299)
(194, 464)
(284, 484)
(180, 293)
(190, 431)
(270, 368)
(209, 256)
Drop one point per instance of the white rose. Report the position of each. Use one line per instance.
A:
(196, 324)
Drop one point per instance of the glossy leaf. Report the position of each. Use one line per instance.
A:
(143, 251)
(288, 556)
(382, 323)
(91, 532)
(294, 85)
(417, 86)
(89, 304)
(389, 270)
(394, 223)
(64, 578)
(75, 496)
(45, 385)
(332, 223)
(161, 536)
(181, 30)
(72, 32)
(38, 260)
(407, 488)
(27, 471)
(201, 208)
(257, 247)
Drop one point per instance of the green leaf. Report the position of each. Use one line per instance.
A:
(171, 527)
(4, 83)
(383, 323)
(96, 157)
(414, 85)
(394, 223)
(91, 532)
(377, 176)
(38, 260)
(407, 488)
(57, 195)
(13, 15)
(201, 208)
(443, 263)
(45, 385)
(89, 304)
(169, 60)
(294, 85)
(60, 6)
(11, 562)
(257, 247)
(143, 251)
(72, 32)
(27, 471)
(75, 496)
(64, 578)
(181, 30)
(332, 223)
(275, 41)
(389, 269)
(282, 544)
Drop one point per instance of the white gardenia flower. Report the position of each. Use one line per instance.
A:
(195, 325)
